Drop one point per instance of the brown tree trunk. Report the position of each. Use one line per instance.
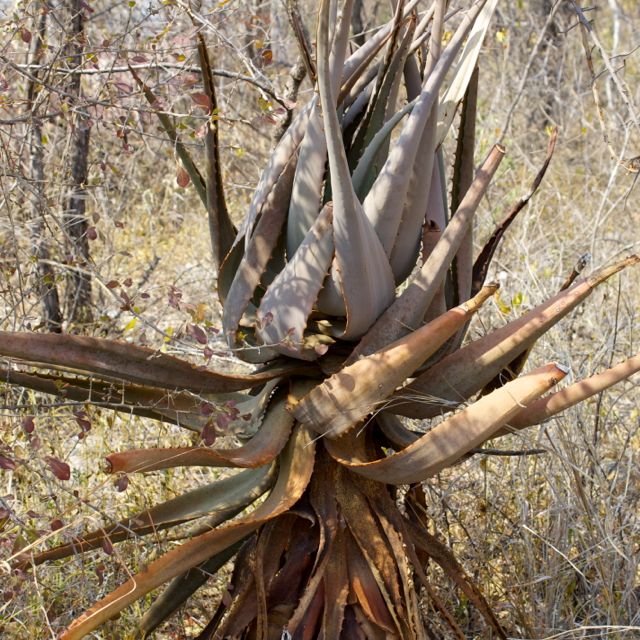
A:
(45, 283)
(78, 293)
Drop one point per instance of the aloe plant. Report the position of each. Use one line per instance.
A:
(352, 282)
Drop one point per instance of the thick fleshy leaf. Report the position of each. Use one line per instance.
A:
(385, 201)
(379, 141)
(361, 273)
(295, 472)
(182, 588)
(464, 70)
(341, 401)
(221, 228)
(367, 591)
(384, 111)
(219, 500)
(260, 450)
(336, 581)
(463, 167)
(393, 429)
(409, 308)
(306, 193)
(116, 396)
(455, 436)
(423, 187)
(358, 61)
(259, 248)
(458, 376)
(288, 302)
(375, 523)
(123, 361)
(545, 408)
(188, 410)
(385, 88)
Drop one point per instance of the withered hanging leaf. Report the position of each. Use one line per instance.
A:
(7, 463)
(60, 469)
(182, 177)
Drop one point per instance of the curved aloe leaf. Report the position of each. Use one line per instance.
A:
(464, 70)
(225, 498)
(124, 361)
(348, 396)
(259, 248)
(385, 79)
(296, 468)
(375, 147)
(306, 192)
(422, 186)
(361, 268)
(358, 61)
(260, 450)
(463, 167)
(221, 228)
(393, 429)
(454, 437)
(287, 304)
(385, 201)
(382, 109)
(409, 308)
(458, 376)
(182, 588)
(118, 397)
(547, 407)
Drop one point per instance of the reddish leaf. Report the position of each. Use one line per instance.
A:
(7, 463)
(206, 408)
(56, 524)
(25, 34)
(182, 178)
(122, 483)
(92, 234)
(60, 470)
(223, 420)
(28, 425)
(112, 284)
(107, 547)
(123, 87)
(208, 433)
(83, 422)
(202, 100)
(198, 333)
